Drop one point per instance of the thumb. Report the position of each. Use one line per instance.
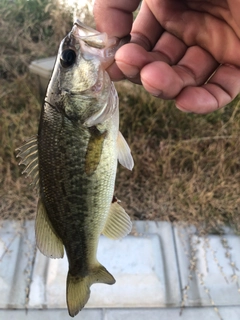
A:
(114, 17)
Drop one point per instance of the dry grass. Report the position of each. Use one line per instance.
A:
(19, 115)
(28, 30)
(186, 166)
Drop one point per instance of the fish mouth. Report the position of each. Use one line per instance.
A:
(93, 38)
(93, 45)
(99, 43)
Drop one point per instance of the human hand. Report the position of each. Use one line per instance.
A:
(176, 47)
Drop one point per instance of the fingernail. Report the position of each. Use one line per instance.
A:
(182, 109)
(153, 91)
(128, 70)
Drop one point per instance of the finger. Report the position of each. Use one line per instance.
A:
(170, 46)
(132, 57)
(235, 10)
(114, 17)
(221, 89)
(164, 81)
(115, 73)
(146, 29)
(145, 32)
(197, 28)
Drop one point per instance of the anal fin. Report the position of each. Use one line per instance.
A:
(118, 223)
(47, 239)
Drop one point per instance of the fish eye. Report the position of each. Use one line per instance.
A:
(68, 58)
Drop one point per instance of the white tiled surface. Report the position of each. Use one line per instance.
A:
(135, 262)
(228, 313)
(42, 67)
(150, 266)
(131, 268)
(17, 251)
(212, 272)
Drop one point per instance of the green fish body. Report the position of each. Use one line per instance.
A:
(73, 161)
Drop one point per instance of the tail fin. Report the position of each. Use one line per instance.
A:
(78, 288)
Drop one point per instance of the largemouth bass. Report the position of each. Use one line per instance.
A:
(73, 161)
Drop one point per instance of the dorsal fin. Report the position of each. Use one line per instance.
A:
(28, 153)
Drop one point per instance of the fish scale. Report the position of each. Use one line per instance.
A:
(71, 209)
(73, 161)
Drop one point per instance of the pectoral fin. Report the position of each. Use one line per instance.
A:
(94, 150)
(118, 224)
(124, 152)
(29, 157)
(47, 239)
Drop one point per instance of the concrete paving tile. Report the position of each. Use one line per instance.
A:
(134, 264)
(24, 266)
(42, 69)
(209, 268)
(145, 267)
(54, 314)
(16, 254)
(9, 244)
(165, 233)
(223, 313)
(208, 313)
(143, 264)
(37, 296)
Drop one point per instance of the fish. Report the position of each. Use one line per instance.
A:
(73, 161)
